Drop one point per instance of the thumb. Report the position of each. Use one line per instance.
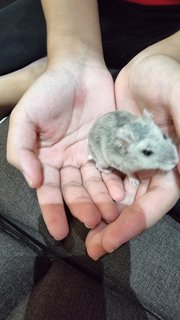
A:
(22, 144)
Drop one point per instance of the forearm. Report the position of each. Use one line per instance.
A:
(72, 28)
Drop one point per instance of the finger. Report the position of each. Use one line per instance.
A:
(98, 192)
(114, 184)
(143, 188)
(51, 203)
(94, 241)
(21, 145)
(77, 198)
(147, 210)
(94, 245)
(131, 189)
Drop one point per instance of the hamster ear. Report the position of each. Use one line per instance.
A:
(124, 136)
(147, 115)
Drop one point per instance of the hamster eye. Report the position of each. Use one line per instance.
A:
(147, 152)
(164, 136)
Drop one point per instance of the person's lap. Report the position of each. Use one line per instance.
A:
(138, 281)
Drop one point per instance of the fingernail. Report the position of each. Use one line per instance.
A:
(108, 221)
(111, 251)
(89, 227)
(96, 258)
(28, 180)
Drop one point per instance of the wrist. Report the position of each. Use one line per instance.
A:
(73, 51)
(169, 47)
(73, 31)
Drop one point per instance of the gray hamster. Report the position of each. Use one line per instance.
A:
(122, 141)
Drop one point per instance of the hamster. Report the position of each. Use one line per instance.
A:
(122, 141)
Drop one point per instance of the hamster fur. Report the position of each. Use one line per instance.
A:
(122, 141)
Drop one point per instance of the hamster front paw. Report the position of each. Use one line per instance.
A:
(101, 169)
(133, 180)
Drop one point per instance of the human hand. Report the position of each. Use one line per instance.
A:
(47, 141)
(150, 82)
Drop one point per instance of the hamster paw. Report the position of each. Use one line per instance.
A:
(90, 157)
(134, 181)
(105, 170)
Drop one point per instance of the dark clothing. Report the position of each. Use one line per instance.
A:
(129, 28)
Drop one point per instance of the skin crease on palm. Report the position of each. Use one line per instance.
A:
(133, 96)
